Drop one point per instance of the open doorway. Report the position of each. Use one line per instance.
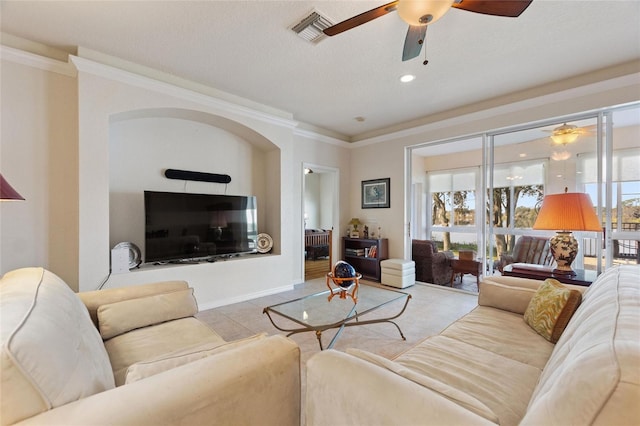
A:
(319, 217)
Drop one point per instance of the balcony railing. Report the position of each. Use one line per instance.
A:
(622, 249)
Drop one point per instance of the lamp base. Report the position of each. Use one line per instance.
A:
(570, 272)
(564, 248)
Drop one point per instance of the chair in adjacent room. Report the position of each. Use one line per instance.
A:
(432, 266)
(528, 249)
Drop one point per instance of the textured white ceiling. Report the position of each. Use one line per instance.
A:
(245, 48)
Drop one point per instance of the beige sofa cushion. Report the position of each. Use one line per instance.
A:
(465, 400)
(120, 317)
(150, 342)
(593, 374)
(503, 333)
(500, 383)
(512, 298)
(51, 352)
(551, 308)
(147, 368)
(94, 299)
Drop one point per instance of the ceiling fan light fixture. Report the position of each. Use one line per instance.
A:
(422, 12)
(565, 134)
(560, 155)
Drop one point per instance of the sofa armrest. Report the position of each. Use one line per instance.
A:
(511, 293)
(257, 383)
(345, 390)
(94, 299)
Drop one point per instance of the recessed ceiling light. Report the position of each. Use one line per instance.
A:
(407, 78)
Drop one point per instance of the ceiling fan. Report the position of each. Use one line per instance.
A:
(420, 13)
(568, 133)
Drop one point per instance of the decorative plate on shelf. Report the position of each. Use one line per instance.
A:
(265, 243)
(135, 256)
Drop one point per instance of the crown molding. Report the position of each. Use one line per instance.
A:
(77, 63)
(624, 75)
(310, 134)
(37, 61)
(144, 82)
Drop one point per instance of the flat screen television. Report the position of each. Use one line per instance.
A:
(182, 226)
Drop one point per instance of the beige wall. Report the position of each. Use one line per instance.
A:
(39, 156)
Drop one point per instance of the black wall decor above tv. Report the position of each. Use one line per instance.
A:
(183, 226)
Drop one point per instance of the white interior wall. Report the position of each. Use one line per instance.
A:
(141, 149)
(319, 199)
(312, 187)
(105, 93)
(383, 160)
(419, 188)
(326, 200)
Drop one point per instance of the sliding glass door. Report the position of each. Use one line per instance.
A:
(451, 177)
(529, 163)
(483, 193)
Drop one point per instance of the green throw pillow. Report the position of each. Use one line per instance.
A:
(551, 308)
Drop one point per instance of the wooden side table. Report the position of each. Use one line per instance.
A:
(537, 272)
(460, 266)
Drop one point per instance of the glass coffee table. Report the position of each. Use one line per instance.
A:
(316, 313)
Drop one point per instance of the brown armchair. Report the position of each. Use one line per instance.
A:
(432, 266)
(534, 250)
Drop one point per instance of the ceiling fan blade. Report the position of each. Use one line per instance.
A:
(509, 8)
(414, 41)
(363, 18)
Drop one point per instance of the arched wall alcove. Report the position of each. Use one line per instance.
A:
(125, 123)
(143, 143)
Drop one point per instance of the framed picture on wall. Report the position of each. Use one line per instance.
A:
(375, 193)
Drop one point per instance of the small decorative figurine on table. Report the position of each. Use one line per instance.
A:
(365, 233)
(346, 280)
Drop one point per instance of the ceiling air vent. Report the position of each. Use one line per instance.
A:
(310, 27)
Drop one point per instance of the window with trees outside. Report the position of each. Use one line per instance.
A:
(514, 201)
(625, 201)
(483, 192)
(453, 204)
(453, 198)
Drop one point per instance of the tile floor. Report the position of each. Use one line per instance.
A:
(430, 310)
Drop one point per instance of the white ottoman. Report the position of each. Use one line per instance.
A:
(398, 273)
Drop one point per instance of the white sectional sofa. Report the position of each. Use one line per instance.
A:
(491, 367)
(143, 360)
